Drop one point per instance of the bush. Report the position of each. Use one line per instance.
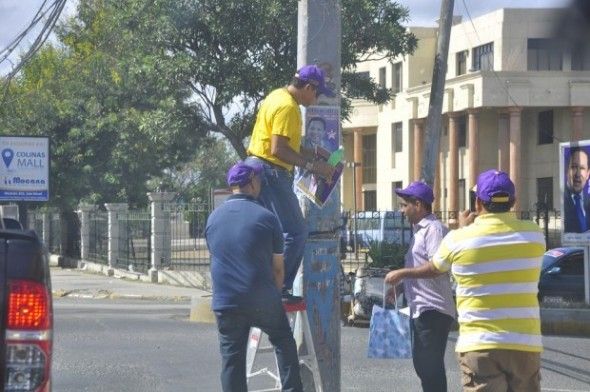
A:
(386, 255)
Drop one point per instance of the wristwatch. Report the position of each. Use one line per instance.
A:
(309, 166)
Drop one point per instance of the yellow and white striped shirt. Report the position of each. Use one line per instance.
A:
(496, 263)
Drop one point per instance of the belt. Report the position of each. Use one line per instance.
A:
(268, 163)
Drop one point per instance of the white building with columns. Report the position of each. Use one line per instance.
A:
(511, 96)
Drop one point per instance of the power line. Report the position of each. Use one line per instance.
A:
(51, 15)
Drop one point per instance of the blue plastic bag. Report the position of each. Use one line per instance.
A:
(389, 334)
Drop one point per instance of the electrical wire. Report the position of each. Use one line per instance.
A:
(53, 13)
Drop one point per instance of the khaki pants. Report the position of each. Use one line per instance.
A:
(500, 371)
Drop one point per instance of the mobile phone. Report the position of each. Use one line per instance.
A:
(472, 201)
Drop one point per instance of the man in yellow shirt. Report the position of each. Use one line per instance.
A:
(276, 144)
(496, 261)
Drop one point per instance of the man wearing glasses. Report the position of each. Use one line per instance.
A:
(276, 144)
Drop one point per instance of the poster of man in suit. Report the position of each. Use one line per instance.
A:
(575, 170)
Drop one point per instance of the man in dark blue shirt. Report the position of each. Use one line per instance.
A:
(245, 241)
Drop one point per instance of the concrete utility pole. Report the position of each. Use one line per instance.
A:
(434, 121)
(319, 37)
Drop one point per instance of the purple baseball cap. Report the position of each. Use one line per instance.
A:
(241, 173)
(419, 190)
(495, 186)
(315, 76)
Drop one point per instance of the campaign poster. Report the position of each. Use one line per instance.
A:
(24, 169)
(322, 130)
(575, 200)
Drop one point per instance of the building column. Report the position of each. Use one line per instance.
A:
(113, 209)
(473, 136)
(503, 141)
(453, 182)
(358, 157)
(160, 235)
(85, 210)
(515, 152)
(418, 147)
(577, 123)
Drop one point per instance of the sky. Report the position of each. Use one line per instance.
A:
(15, 15)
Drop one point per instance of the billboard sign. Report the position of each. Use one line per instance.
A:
(24, 168)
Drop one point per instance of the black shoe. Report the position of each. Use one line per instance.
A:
(291, 299)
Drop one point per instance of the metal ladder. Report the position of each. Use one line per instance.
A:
(297, 316)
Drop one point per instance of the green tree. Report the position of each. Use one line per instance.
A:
(230, 53)
(207, 170)
(109, 130)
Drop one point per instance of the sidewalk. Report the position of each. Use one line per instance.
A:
(74, 283)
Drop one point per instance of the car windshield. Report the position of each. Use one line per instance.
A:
(547, 261)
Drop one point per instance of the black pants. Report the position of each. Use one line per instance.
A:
(429, 333)
(234, 327)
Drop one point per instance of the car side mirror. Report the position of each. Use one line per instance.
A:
(554, 271)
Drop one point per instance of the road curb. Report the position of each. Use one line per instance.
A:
(574, 322)
(110, 295)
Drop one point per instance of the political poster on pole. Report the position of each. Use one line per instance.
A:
(322, 133)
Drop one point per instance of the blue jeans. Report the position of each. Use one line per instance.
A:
(234, 327)
(278, 196)
(429, 334)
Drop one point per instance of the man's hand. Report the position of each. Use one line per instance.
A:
(394, 277)
(466, 218)
(324, 170)
(391, 295)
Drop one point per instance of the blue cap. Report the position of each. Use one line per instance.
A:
(315, 76)
(495, 186)
(241, 173)
(419, 190)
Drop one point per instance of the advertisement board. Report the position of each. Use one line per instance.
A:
(24, 168)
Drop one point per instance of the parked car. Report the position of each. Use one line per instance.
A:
(562, 274)
(26, 316)
(380, 226)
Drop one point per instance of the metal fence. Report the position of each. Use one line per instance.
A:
(354, 257)
(98, 243)
(188, 250)
(36, 223)
(134, 241)
(187, 227)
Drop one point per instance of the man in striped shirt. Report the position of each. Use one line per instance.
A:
(496, 260)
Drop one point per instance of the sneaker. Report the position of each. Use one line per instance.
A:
(291, 299)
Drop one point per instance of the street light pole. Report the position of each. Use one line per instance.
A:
(354, 165)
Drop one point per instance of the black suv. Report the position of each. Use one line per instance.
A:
(26, 328)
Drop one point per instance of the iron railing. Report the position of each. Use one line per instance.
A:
(98, 243)
(187, 227)
(134, 241)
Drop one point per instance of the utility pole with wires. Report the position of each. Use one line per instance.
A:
(434, 119)
(318, 42)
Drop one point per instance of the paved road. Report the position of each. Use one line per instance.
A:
(149, 345)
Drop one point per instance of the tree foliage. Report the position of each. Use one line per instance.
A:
(134, 85)
(230, 53)
(112, 122)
